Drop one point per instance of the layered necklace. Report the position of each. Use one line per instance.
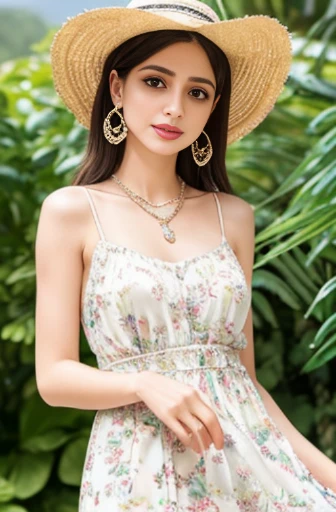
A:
(150, 208)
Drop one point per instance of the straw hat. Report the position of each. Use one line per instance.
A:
(258, 49)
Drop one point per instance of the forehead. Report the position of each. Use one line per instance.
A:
(182, 57)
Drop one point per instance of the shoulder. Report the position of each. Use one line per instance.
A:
(239, 221)
(64, 213)
(236, 207)
(66, 201)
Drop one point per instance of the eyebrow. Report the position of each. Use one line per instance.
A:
(172, 73)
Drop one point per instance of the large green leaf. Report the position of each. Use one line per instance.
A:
(28, 482)
(72, 460)
(38, 418)
(326, 329)
(322, 356)
(12, 508)
(271, 282)
(328, 288)
(47, 441)
(42, 119)
(7, 490)
(305, 234)
(263, 306)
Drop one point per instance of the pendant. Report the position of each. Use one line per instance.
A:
(168, 233)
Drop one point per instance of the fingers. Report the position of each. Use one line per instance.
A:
(182, 433)
(210, 421)
(200, 436)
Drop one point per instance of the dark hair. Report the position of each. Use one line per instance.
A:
(103, 158)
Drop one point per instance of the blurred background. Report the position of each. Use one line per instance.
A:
(286, 168)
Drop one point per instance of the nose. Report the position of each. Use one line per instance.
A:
(174, 107)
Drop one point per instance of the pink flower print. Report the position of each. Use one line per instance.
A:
(243, 473)
(116, 421)
(229, 327)
(157, 292)
(168, 470)
(182, 304)
(195, 310)
(211, 294)
(114, 457)
(229, 441)
(226, 381)
(108, 490)
(250, 503)
(206, 505)
(99, 301)
(217, 458)
(265, 450)
(280, 508)
(169, 508)
(176, 324)
(144, 328)
(160, 330)
(89, 462)
(96, 500)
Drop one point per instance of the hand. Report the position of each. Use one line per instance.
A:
(182, 409)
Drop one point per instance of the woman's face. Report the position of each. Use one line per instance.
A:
(181, 95)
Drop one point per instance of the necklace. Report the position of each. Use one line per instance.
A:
(168, 233)
(157, 205)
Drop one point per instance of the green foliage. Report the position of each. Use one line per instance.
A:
(285, 168)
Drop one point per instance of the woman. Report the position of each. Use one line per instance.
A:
(153, 253)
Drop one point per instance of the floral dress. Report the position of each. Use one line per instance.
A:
(183, 320)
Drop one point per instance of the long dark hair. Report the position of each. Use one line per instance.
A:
(103, 159)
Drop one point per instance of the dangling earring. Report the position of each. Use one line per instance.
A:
(202, 155)
(121, 130)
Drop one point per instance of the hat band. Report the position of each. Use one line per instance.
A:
(177, 8)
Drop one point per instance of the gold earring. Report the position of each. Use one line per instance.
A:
(202, 155)
(120, 130)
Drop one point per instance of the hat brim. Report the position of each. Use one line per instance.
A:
(258, 48)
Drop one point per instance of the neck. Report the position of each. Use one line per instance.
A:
(148, 174)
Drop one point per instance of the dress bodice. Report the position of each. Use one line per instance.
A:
(134, 305)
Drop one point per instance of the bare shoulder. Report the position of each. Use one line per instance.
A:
(238, 217)
(236, 207)
(64, 211)
(69, 201)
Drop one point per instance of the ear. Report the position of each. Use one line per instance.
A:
(115, 87)
(215, 103)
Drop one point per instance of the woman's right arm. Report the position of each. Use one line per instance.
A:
(62, 380)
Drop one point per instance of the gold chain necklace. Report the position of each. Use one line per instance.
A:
(157, 205)
(168, 233)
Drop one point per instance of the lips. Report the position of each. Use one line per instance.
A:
(168, 128)
(164, 133)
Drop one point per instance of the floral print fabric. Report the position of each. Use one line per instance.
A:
(185, 321)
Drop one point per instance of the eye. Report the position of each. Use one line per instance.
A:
(206, 95)
(153, 79)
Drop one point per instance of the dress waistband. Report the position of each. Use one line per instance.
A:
(182, 358)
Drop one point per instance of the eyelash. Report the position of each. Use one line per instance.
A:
(160, 80)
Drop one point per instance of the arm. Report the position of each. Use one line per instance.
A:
(61, 379)
(321, 467)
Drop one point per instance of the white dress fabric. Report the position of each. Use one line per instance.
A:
(184, 320)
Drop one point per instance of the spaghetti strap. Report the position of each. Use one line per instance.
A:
(95, 214)
(219, 208)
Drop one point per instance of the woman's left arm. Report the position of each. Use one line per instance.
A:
(321, 467)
